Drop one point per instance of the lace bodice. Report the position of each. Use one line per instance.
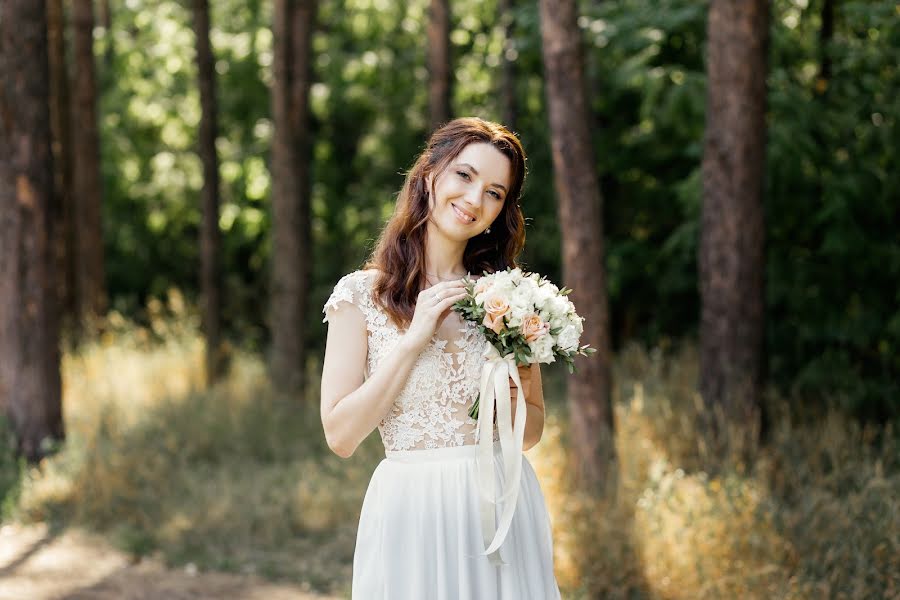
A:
(432, 409)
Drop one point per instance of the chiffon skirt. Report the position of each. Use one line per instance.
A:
(419, 535)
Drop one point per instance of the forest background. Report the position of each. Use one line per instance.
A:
(832, 258)
(237, 477)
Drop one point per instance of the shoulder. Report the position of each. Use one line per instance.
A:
(351, 288)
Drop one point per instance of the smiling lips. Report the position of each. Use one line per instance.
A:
(463, 216)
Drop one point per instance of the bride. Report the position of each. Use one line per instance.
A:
(400, 359)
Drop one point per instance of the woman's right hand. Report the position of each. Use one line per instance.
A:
(432, 307)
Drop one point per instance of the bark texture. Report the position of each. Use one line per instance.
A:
(291, 247)
(440, 72)
(86, 176)
(508, 95)
(731, 252)
(29, 337)
(580, 213)
(62, 214)
(210, 281)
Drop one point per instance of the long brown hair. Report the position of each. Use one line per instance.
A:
(399, 254)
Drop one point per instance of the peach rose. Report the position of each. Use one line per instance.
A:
(481, 286)
(495, 307)
(533, 327)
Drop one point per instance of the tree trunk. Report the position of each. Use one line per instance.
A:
(63, 214)
(508, 95)
(86, 178)
(826, 33)
(580, 213)
(105, 15)
(439, 71)
(731, 259)
(106, 24)
(291, 247)
(29, 336)
(209, 234)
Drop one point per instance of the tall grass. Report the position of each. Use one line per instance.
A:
(816, 514)
(237, 478)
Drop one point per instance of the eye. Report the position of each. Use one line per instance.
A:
(464, 175)
(495, 195)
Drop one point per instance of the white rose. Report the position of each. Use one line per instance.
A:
(542, 349)
(577, 322)
(568, 338)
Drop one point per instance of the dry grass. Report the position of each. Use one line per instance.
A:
(236, 478)
(815, 515)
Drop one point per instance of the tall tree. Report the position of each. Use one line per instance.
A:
(440, 73)
(826, 33)
(291, 248)
(209, 234)
(63, 214)
(29, 336)
(581, 220)
(731, 258)
(508, 96)
(106, 24)
(86, 177)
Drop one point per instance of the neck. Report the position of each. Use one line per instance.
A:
(443, 257)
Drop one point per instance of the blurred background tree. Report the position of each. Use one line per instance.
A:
(832, 262)
(831, 259)
(321, 106)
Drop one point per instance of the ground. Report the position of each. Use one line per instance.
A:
(36, 564)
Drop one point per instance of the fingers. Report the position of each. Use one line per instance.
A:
(439, 290)
(451, 300)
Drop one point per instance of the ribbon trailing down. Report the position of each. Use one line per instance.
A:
(495, 376)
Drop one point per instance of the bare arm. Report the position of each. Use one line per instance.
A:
(352, 406)
(533, 389)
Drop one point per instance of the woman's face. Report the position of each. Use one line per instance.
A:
(470, 192)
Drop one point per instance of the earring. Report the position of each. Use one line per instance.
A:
(488, 230)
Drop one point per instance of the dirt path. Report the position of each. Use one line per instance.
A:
(76, 565)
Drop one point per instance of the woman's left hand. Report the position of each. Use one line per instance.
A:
(525, 377)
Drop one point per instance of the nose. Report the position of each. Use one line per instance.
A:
(473, 196)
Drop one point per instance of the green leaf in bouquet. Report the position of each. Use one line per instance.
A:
(473, 410)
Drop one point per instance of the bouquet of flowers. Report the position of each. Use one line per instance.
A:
(527, 320)
(525, 316)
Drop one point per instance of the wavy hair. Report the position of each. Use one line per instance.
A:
(399, 254)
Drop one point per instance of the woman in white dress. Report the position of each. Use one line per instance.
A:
(400, 359)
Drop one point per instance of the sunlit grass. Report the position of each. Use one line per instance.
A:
(816, 514)
(240, 479)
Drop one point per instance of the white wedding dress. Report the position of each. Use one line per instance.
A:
(419, 535)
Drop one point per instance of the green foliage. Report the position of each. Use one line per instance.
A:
(12, 469)
(833, 262)
(832, 259)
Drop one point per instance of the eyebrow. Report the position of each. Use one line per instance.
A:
(474, 170)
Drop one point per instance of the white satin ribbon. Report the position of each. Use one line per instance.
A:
(495, 376)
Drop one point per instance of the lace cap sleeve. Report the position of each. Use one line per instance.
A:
(349, 289)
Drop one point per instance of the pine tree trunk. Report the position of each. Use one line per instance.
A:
(106, 24)
(63, 214)
(508, 95)
(731, 252)
(29, 336)
(826, 33)
(440, 73)
(86, 176)
(291, 247)
(209, 234)
(580, 212)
